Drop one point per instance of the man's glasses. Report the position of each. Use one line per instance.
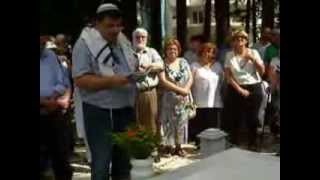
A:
(141, 37)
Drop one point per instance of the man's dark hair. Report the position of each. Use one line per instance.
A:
(114, 14)
(198, 38)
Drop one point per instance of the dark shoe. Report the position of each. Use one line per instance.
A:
(165, 150)
(157, 159)
(161, 150)
(179, 152)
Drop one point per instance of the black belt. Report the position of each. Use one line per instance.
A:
(251, 85)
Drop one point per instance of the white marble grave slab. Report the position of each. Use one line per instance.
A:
(232, 164)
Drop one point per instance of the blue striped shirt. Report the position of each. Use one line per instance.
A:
(52, 78)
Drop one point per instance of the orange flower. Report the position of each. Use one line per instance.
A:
(131, 133)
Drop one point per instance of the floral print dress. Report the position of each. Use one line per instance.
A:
(174, 126)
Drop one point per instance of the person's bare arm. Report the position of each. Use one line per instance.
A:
(257, 63)
(190, 81)
(154, 67)
(171, 86)
(260, 66)
(96, 83)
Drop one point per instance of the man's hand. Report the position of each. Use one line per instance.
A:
(141, 69)
(63, 102)
(250, 57)
(52, 105)
(244, 92)
(184, 91)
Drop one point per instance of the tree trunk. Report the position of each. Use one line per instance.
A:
(254, 20)
(236, 4)
(182, 22)
(129, 9)
(156, 25)
(267, 13)
(222, 16)
(207, 20)
(248, 15)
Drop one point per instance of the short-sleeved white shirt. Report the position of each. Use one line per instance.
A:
(206, 88)
(244, 71)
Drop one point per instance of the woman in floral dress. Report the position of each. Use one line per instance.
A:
(177, 81)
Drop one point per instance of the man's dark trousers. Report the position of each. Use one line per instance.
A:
(55, 141)
(99, 124)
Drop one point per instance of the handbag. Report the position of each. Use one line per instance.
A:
(187, 109)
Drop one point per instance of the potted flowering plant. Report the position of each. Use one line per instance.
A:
(140, 143)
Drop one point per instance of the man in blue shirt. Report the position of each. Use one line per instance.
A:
(54, 99)
(102, 61)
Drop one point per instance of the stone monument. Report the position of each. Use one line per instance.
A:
(212, 141)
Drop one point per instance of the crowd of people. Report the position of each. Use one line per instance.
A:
(97, 84)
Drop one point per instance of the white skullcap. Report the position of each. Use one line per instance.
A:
(107, 7)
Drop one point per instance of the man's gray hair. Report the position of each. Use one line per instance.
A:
(139, 31)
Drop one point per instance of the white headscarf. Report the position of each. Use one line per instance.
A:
(96, 42)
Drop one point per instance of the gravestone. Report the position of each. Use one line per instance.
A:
(231, 164)
(212, 141)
